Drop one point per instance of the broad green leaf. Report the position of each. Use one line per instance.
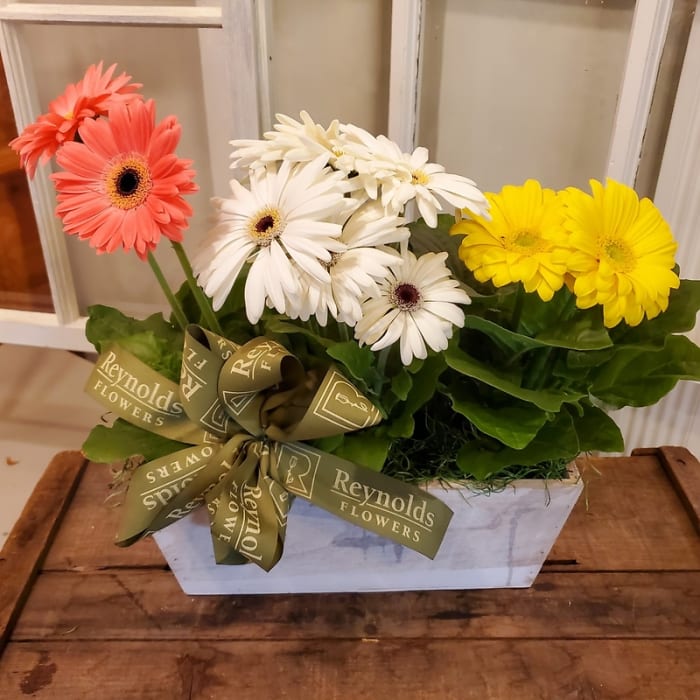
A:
(153, 340)
(359, 361)
(584, 333)
(437, 240)
(422, 390)
(507, 340)
(514, 424)
(507, 381)
(277, 325)
(577, 334)
(367, 449)
(683, 307)
(640, 377)
(597, 431)
(401, 384)
(122, 440)
(555, 441)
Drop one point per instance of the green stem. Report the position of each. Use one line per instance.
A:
(382, 358)
(344, 332)
(518, 310)
(202, 300)
(174, 303)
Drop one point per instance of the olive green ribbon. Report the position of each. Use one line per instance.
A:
(244, 413)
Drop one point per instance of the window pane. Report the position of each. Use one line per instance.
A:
(523, 88)
(167, 62)
(23, 281)
(331, 58)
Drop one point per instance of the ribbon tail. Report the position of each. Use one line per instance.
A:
(248, 512)
(401, 512)
(167, 489)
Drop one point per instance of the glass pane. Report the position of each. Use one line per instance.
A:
(23, 281)
(331, 58)
(167, 62)
(523, 88)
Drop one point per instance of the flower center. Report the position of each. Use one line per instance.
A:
(335, 257)
(529, 241)
(406, 296)
(418, 177)
(128, 182)
(619, 255)
(265, 226)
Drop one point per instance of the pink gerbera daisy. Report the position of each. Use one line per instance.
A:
(123, 185)
(92, 96)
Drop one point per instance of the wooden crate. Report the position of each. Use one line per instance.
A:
(614, 613)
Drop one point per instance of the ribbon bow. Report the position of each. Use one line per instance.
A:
(244, 412)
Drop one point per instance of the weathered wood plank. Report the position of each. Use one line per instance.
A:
(683, 470)
(131, 605)
(29, 540)
(86, 538)
(628, 519)
(344, 670)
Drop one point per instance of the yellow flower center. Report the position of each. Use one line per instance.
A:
(526, 241)
(265, 226)
(418, 177)
(618, 254)
(128, 182)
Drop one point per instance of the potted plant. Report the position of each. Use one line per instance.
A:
(329, 345)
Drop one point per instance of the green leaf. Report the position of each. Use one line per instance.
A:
(555, 441)
(153, 340)
(366, 448)
(122, 440)
(330, 443)
(507, 381)
(581, 333)
(436, 240)
(515, 424)
(597, 431)
(359, 361)
(585, 333)
(641, 377)
(401, 384)
(679, 317)
(422, 390)
(277, 325)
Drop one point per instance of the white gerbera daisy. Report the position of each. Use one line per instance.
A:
(430, 186)
(417, 306)
(298, 142)
(285, 223)
(404, 177)
(355, 272)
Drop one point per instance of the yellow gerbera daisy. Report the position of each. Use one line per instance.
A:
(624, 255)
(524, 241)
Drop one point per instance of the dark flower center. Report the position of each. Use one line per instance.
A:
(406, 296)
(264, 224)
(128, 182)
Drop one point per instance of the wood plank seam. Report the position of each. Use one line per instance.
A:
(32, 535)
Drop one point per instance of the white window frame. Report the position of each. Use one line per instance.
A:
(244, 25)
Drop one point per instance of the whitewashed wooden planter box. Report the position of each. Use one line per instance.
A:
(498, 540)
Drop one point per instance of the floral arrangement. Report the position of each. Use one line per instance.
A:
(491, 334)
